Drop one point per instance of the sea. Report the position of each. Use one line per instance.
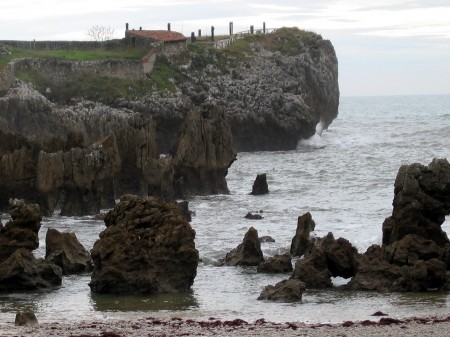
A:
(344, 176)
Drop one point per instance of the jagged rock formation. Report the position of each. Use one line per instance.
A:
(285, 291)
(275, 93)
(83, 177)
(421, 202)
(302, 242)
(248, 253)
(276, 264)
(415, 255)
(203, 152)
(64, 250)
(26, 318)
(22, 231)
(20, 270)
(328, 257)
(415, 251)
(260, 186)
(147, 247)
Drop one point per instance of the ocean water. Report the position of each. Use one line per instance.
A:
(344, 177)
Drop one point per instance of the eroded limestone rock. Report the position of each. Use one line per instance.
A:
(64, 250)
(248, 253)
(147, 247)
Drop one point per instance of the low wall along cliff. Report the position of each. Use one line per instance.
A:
(62, 71)
(64, 45)
(6, 76)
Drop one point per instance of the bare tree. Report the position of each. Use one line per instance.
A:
(100, 33)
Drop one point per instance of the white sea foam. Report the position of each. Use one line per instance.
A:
(315, 141)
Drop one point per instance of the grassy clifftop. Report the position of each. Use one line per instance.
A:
(199, 59)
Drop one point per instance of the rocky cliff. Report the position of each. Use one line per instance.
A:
(80, 134)
(273, 88)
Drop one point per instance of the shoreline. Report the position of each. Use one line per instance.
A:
(151, 326)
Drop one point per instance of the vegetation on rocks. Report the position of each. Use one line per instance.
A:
(166, 75)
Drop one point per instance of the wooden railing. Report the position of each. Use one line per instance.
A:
(227, 42)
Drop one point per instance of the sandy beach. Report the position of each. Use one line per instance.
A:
(379, 326)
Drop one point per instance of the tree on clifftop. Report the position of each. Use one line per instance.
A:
(100, 33)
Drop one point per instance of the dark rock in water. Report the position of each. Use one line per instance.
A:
(64, 250)
(147, 247)
(328, 257)
(415, 252)
(276, 264)
(203, 152)
(302, 242)
(313, 271)
(22, 231)
(379, 313)
(421, 202)
(22, 271)
(260, 186)
(252, 216)
(423, 275)
(342, 258)
(374, 271)
(184, 208)
(410, 249)
(266, 238)
(26, 318)
(284, 291)
(248, 253)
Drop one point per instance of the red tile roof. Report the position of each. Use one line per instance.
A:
(158, 35)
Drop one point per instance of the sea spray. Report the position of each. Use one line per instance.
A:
(315, 141)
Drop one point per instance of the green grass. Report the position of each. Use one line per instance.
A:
(104, 88)
(93, 87)
(164, 75)
(77, 55)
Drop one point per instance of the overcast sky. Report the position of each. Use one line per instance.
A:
(384, 47)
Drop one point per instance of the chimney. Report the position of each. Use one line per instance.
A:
(264, 28)
(126, 26)
(168, 26)
(140, 28)
(212, 33)
(231, 28)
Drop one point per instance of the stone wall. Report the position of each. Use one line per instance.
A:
(62, 71)
(64, 45)
(6, 76)
(172, 48)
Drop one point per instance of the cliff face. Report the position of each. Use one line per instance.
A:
(273, 88)
(275, 96)
(84, 133)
